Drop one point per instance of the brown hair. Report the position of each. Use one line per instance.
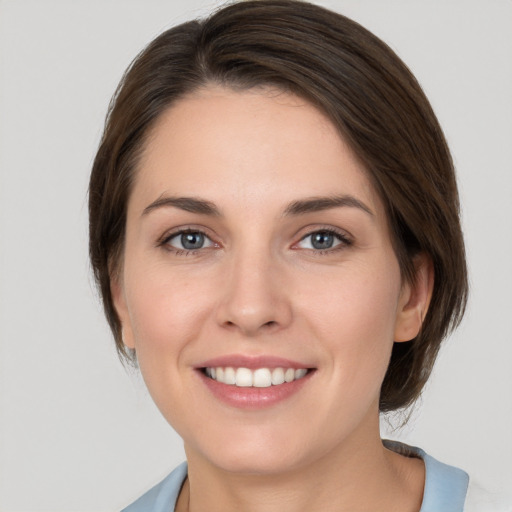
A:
(369, 95)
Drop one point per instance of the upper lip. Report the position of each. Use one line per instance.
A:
(252, 362)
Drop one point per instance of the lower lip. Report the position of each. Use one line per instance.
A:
(251, 397)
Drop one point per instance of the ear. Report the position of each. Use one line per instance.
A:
(119, 300)
(414, 300)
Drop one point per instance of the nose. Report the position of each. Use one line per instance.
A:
(254, 297)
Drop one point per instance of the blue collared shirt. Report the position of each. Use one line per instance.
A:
(445, 486)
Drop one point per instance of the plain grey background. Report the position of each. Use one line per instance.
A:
(79, 433)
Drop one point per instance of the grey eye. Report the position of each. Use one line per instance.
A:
(189, 241)
(192, 241)
(322, 240)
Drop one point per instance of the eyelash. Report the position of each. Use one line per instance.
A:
(342, 237)
(344, 240)
(164, 242)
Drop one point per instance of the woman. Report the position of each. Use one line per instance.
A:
(274, 228)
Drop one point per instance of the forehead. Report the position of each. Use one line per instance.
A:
(251, 147)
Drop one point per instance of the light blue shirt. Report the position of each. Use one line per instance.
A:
(445, 486)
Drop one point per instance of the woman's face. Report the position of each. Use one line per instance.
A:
(255, 241)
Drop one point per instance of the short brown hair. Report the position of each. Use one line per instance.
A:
(369, 95)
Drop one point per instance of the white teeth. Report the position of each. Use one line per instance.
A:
(229, 376)
(243, 378)
(300, 373)
(277, 376)
(289, 375)
(260, 378)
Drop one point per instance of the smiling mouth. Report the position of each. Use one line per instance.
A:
(258, 378)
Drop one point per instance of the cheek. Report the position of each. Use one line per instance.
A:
(354, 314)
(361, 298)
(167, 310)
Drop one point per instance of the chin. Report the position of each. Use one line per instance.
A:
(256, 463)
(256, 451)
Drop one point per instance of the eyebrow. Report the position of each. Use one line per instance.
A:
(317, 204)
(189, 204)
(300, 207)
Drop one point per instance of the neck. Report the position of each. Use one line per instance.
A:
(359, 475)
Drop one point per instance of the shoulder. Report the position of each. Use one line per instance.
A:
(449, 489)
(162, 497)
(445, 486)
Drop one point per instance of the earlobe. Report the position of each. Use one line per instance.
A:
(414, 300)
(121, 308)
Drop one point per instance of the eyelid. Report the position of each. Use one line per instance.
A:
(163, 241)
(344, 238)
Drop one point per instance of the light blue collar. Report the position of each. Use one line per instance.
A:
(445, 486)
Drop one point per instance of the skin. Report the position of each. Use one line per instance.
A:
(258, 286)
